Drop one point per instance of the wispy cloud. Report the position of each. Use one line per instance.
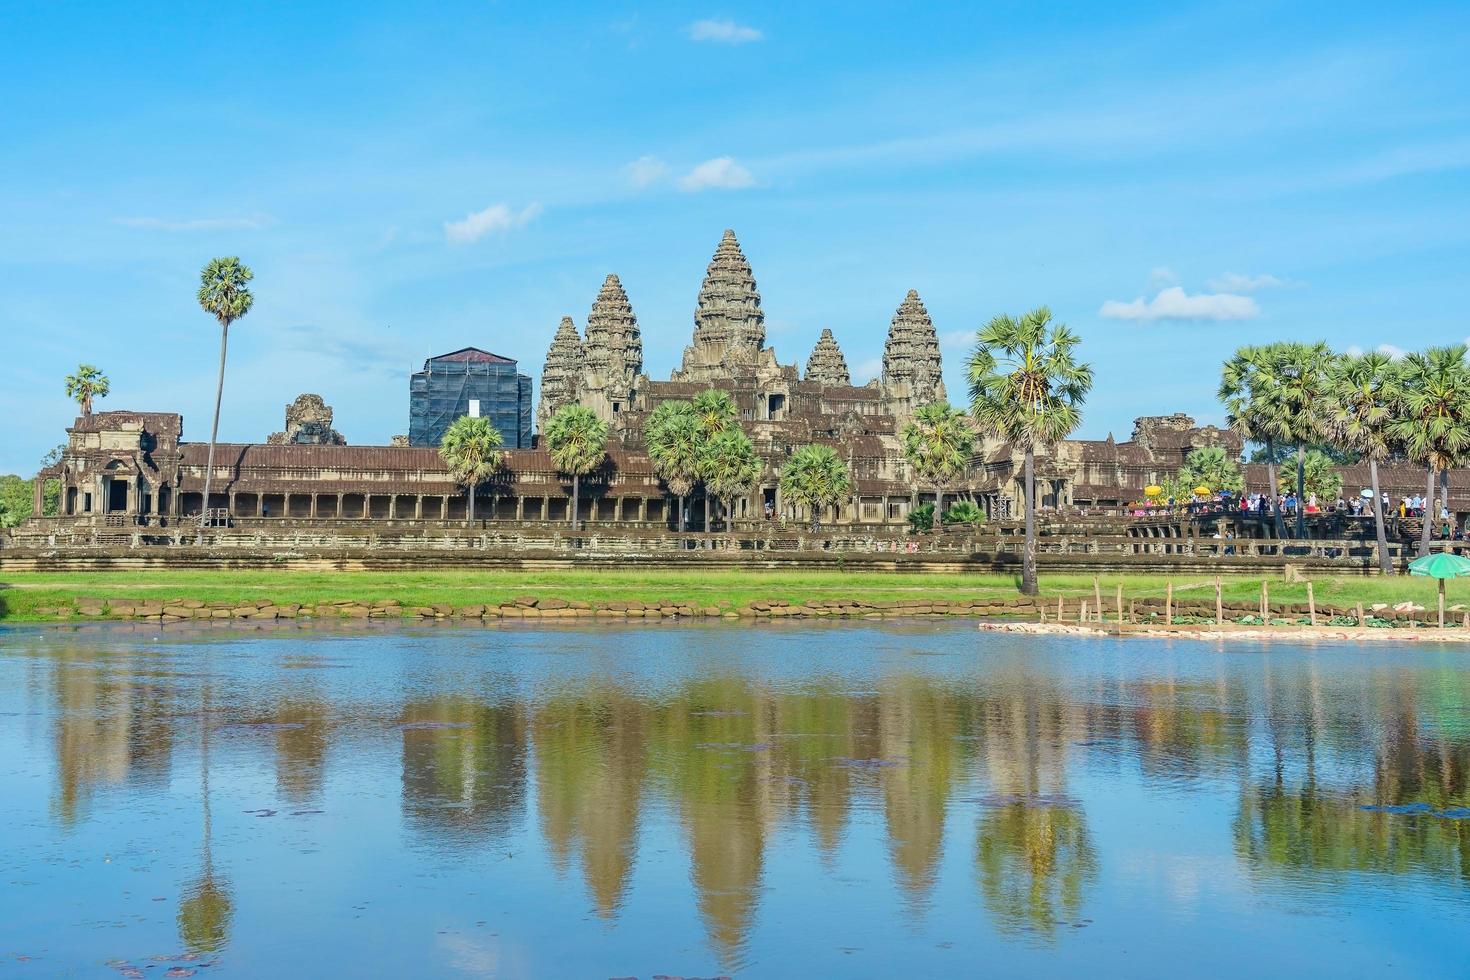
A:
(646, 171)
(721, 173)
(957, 339)
(1387, 350)
(494, 219)
(1160, 276)
(723, 32)
(1175, 304)
(1234, 282)
(249, 222)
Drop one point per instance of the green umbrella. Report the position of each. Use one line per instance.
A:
(1440, 565)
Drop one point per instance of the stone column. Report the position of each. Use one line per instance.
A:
(520, 507)
(418, 507)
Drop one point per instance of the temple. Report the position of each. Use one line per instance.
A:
(134, 468)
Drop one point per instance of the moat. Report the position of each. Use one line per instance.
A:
(894, 799)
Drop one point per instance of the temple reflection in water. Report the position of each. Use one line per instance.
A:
(1330, 772)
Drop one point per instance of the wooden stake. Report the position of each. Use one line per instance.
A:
(1132, 610)
(1120, 606)
(1441, 603)
(1082, 613)
(1059, 609)
(1311, 606)
(1219, 604)
(1169, 604)
(1362, 620)
(1265, 602)
(1097, 597)
(1041, 609)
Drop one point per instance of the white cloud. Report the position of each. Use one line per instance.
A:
(1234, 282)
(495, 218)
(1175, 304)
(1393, 353)
(865, 371)
(1160, 276)
(957, 339)
(646, 171)
(723, 32)
(250, 222)
(721, 173)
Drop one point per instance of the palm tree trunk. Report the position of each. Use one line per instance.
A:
(1444, 494)
(576, 492)
(470, 502)
(1271, 494)
(1028, 556)
(681, 513)
(87, 403)
(1424, 518)
(938, 508)
(706, 511)
(219, 395)
(1385, 564)
(1301, 490)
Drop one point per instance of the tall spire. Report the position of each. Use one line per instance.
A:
(614, 347)
(560, 372)
(729, 316)
(912, 373)
(827, 365)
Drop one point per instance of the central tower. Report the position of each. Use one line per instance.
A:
(729, 327)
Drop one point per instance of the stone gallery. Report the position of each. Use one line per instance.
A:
(134, 468)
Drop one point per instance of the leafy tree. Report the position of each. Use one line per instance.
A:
(673, 436)
(815, 477)
(471, 450)
(1319, 478)
(87, 383)
(16, 501)
(715, 411)
(937, 443)
(577, 441)
(965, 512)
(1432, 418)
(1363, 393)
(1027, 387)
(1211, 466)
(224, 294)
(731, 467)
(1249, 389)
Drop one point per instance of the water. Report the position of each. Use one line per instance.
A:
(783, 800)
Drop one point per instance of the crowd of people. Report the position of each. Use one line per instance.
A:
(1259, 504)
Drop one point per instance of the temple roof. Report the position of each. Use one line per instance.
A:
(614, 344)
(826, 364)
(729, 307)
(911, 359)
(473, 355)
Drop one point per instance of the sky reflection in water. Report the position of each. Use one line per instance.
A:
(783, 800)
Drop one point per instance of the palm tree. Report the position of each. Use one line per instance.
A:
(937, 443)
(815, 477)
(1248, 389)
(577, 441)
(224, 294)
(471, 450)
(1211, 466)
(715, 411)
(87, 383)
(731, 467)
(1027, 387)
(1432, 422)
(1362, 392)
(673, 438)
(1301, 378)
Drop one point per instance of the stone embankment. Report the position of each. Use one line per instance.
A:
(530, 608)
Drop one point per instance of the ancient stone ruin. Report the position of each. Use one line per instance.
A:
(308, 423)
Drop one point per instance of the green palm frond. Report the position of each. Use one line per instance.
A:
(576, 439)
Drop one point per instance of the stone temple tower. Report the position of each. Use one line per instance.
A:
(612, 352)
(912, 373)
(561, 372)
(729, 327)
(827, 365)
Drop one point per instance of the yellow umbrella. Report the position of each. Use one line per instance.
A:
(1152, 491)
(1203, 491)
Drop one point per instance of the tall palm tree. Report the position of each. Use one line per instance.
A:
(1432, 422)
(673, 435)
(1362, 392)
(937, 443)
(715, 411)
(577, 441)
(1249, 390)
(1301, 378)
(731, 467)
(1211, 466)
(224, 294)
(87, 383)
(1027, 386)
(815, 477)
(471, 450)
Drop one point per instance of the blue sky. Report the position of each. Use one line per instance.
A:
(1173, 180)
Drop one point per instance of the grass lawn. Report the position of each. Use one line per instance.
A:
(23, 594)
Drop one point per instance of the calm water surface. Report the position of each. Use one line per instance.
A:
(790, 800)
